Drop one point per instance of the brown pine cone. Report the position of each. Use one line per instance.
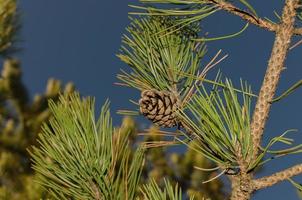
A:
(159, 107)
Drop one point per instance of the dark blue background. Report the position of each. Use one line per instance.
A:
(74, 40)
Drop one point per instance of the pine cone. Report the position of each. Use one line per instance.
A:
(159, 107)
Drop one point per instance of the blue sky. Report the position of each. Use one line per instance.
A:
(76, 40)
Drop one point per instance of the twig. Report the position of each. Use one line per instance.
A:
(298, 31)
(262, 23)
(229, 7)
(273, 179)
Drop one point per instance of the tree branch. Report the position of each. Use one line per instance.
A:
(242, 187)
(298, 31)
(277, 177)
(244, 15)
(262, 23)
(272, 75)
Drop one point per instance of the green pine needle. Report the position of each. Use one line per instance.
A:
(158, 51)
(81, 158)
(152, 191)
(225, 36)
(297, 185)
(220, 123)
(288, 91)
(279, 153)
(191, 12)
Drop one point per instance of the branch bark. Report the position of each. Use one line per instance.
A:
(272, 75)
(229, 7)
(243, 185)
(262, 23)
(298, 31)
(277, 177)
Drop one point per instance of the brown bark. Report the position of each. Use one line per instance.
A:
(242, 187)
(243, 184)
(277, 177)
(262, 23)
(298, 31)
(272, 75)
(229, 7)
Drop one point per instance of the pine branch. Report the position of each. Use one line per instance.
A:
(274, 69)
(242, 187)
(273, 179)
(298, 31)
(251, 18)
(158, 50)
(220, 5)
(224, 132)
(81, 158)
(221, 125)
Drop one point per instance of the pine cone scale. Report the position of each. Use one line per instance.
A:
(168, 111)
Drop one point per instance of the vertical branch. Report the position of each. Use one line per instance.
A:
(242, 187)
(283, 37)
(242, 184)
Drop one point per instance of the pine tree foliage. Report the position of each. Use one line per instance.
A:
(82, 158)
(216, 120)
(153, 192)
(20, 122)
(20, 117)
(220, 123)
(182, 168)
(159, 57)
(165, 57)
(8, 25)
(190, 101)
(69, 167)
(193, 11)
